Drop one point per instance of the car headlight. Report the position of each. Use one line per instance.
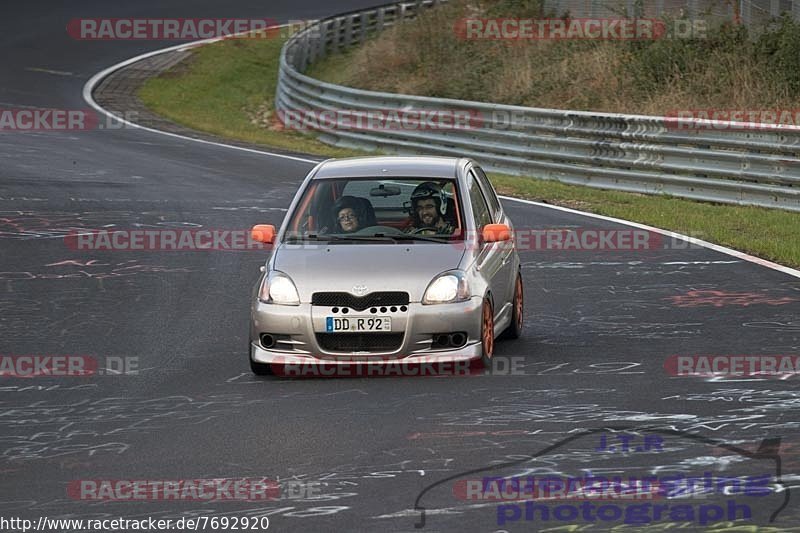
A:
(447, 288)
(278, 288)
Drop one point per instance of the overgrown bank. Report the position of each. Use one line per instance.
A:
(721, 67)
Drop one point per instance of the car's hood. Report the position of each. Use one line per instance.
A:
(406, 267)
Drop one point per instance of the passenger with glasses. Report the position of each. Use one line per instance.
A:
(346, 215)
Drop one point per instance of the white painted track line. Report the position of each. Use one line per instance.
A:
(90, 85)
(705, 244)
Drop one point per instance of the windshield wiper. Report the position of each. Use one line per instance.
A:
(315, 237)
(393, 237)
(410, 237)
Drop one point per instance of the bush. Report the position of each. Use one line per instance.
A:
(730, 68)
(780, 49)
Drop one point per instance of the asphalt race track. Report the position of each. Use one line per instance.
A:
(364, 454)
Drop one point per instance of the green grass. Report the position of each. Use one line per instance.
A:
(767, 233)
(228, 88)
(333, 69)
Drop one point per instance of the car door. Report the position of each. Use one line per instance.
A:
(490, 257)
(508, 270)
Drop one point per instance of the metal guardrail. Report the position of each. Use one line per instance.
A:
(644, 154)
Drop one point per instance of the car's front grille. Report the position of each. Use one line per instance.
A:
(345, 299)
(357, 342)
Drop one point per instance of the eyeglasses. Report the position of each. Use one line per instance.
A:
(344, 218)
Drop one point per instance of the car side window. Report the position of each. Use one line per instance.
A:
(479, 206)
(488, 191)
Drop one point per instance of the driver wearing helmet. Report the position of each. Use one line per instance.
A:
(429, 206)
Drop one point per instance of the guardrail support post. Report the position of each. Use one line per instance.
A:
(362, 34)
(381, 22)
(303, 62)
(348, 31)
(323, 36)
(337, 29)
(747, 12)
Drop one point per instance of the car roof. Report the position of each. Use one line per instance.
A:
(394, 167)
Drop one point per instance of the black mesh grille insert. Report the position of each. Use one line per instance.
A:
(345, 299)
(352, 342)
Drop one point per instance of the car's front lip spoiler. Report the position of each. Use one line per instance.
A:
(467, 353)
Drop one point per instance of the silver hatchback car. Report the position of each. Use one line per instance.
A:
(389, 260)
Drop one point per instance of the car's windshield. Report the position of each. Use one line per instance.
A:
(372, 210)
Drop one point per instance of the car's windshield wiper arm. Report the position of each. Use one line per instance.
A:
(410, 237)
(376, 237)
(315, 237)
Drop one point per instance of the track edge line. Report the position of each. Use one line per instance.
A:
(692, 240)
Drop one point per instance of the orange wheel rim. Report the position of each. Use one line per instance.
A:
(488, 330)
(519, 303)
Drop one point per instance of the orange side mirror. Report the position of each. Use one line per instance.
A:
(263, 233)
(496, 232)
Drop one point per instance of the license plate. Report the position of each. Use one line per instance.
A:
(358, 323)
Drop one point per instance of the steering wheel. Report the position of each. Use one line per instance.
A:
(377, 229)
(427, 228)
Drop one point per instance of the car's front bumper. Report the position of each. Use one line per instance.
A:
(298, 327)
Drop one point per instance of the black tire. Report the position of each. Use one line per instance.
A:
(514, 330)
(487, 333)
